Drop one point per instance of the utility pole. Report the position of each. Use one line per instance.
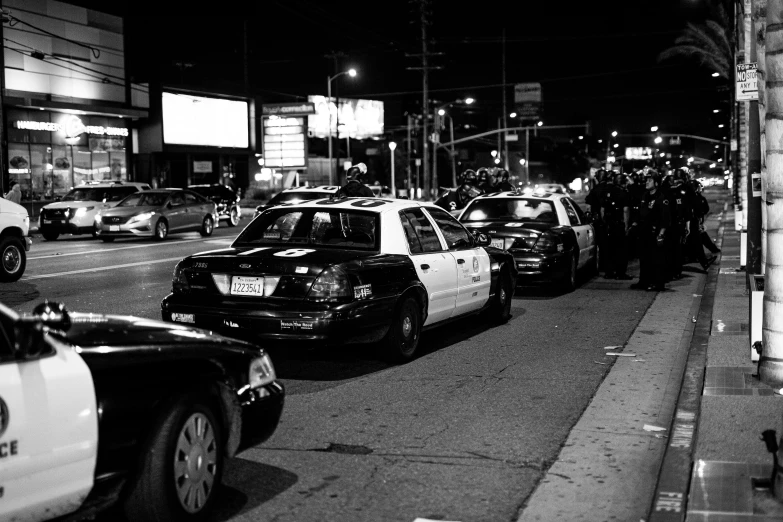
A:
(410, 154)
(424, 13)
(505, 112)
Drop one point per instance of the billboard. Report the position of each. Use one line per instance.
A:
(638, 153)
(359, 119)
(208, 122)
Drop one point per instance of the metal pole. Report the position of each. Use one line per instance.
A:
(499, 127)
(435, 163)
(410, 149)
(393, 186)
(453, 154)
(527, 155)
(505, 122)
(425, 100)
(329, 139)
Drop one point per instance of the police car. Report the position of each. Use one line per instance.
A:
(549, 236)
(298, 194)
(99, 411)
(343, 271)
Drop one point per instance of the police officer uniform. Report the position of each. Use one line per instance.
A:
(503, 184)
(615, 214)
(355, 186)
(654, 220)
(456, 199)
(594, 199)
(681, 201)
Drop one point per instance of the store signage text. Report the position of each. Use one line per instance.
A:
(73, 127)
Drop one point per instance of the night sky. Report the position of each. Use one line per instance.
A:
(596, 61)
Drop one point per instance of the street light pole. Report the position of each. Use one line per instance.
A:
(349, 72)
(392, 146)
(453, 153)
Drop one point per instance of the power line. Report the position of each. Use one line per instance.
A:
(14, 21)
(468, 40)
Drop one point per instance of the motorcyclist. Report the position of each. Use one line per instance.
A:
(355, 186)
(456, 199)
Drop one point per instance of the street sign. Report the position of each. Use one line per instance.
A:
(747, 89)
(512, 137)
(527, 92)
(529, 111)
(675, 141)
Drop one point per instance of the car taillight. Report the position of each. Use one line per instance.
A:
(180, 281)
(547, 243)
(331, 285)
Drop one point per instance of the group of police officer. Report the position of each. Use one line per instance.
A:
(658, 219)
(474, 183)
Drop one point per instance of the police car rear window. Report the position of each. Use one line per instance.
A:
(338, 228)
(510, 209)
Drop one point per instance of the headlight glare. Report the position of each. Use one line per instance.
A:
(141, 217)
(82, 211)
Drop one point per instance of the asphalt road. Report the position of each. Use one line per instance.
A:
(463, 433)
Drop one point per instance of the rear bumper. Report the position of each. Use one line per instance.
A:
(356, 322)
(539, 268)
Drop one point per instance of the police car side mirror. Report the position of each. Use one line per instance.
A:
(482, 239)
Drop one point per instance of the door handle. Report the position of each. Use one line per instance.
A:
(460, 261)
(425, 267)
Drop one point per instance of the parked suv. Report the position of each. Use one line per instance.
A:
(14, 240)
(226, 200)
(75, 212)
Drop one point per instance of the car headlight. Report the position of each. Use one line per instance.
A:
(82, 211)
(141, 217)
(262, 372)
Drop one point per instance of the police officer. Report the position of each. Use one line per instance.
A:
(355, 186)
(616, 216)
(654, 220)
(594, 199)
(456, 199)
(681, 201)
(490, 185)
(503, 181)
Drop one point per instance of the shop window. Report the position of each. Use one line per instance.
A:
(62, 173)
(117, 166)
(100, 165)
(40, 161)
(19, 168)
(82, 166)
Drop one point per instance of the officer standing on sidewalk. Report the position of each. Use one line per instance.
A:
(654, 220)
(681, 207)
(616, 215)
(594, 199)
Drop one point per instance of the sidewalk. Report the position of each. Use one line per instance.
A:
(732, 407)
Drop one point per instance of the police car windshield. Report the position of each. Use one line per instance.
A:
(313, 226)
(295, 197)
(510, 209)
(144, 199)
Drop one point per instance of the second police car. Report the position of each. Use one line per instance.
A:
(549, 236)
(349, 270)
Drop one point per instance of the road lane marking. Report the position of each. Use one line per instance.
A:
(103, 268)
(115, 249)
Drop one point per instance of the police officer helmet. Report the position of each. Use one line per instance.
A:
(357, 172)
(651, 174)
(483, 174)
(503, 175)
(469, 177)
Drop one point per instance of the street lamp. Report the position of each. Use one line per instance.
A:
(351, 73)
(468, 100)
(614, 134)
(658, 139)
(654, 128)
(715, 75)
(392, 146)
(512, 115)
(441, 111)
(494, 153)
(540, 123)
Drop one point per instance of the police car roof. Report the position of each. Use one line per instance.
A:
(319, 188)
(377, 205)
(520, 194)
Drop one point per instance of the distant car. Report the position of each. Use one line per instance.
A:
(297, 195)
(15, 240)
(98, 411)
(549, 236)
(156, 213)
(75, 212)
(225, 198)
(349, 270)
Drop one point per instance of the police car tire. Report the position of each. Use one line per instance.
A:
(233, 217)
(50, 235)
(400, 343)
(12, 250)
(499, 311)
(569, 278)
(207, 227)
(152, 493)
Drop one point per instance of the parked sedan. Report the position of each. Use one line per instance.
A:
(350, 270)
(156, 213)
(99, 411)
(549, 235)
(225, 198)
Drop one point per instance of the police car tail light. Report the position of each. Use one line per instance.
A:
(222, 282)
(180, 281)
(546, 243)
(331, 285)
(261, 372)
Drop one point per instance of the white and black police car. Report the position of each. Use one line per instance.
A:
(100, 411)
(297, 195)
(350, 270)
(549, 236)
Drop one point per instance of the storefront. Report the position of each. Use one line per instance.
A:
(49, 152)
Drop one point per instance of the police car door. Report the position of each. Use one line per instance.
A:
(48, 429)
(473, 263)
(585, 235)
(436, 268)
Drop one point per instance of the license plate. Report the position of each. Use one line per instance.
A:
(498, 243)
(114, 228)
(243, 285)
(183, 318)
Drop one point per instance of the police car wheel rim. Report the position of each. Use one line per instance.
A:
(502, 296)
(234, 217)
(406, 327)
(12, 259)
(195, 463)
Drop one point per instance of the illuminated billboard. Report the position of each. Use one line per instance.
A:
(638, 153)
(359, 119)
(284, 142)
(209, 122)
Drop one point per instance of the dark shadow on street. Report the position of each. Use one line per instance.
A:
(247, 485)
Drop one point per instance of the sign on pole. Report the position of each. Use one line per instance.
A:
(747, 88)
(527, 98)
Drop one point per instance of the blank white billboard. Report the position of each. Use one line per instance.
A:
(209, 122)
